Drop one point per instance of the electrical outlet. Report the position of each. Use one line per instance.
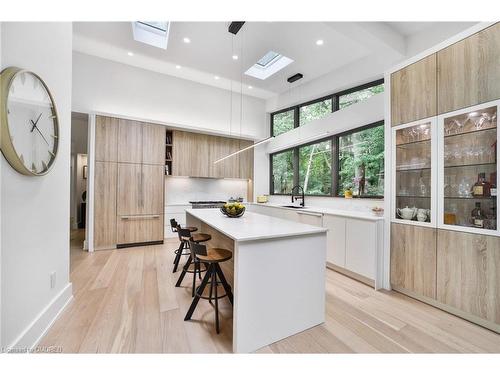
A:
(52, 280)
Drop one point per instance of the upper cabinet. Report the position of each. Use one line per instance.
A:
(413, 92)
(195, 155)
(129, 141)
(106, 139)
(469, 71)
(153, 144)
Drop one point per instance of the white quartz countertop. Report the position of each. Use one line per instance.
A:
(329, 211)
(252, 226)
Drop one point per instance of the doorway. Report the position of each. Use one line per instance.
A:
(79, 180)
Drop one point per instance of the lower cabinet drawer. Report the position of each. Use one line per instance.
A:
(139, 228)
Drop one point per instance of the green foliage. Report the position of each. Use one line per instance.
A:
(358, 96)
(364, 148)
(315, 168)
(314, 111)
(283, 172)
(283, 122)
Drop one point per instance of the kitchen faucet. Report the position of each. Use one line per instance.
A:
(295, 197)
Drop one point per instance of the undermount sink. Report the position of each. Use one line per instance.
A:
(294, 207)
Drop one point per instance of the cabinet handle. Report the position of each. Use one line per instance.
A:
(140, 217)
(309, 213)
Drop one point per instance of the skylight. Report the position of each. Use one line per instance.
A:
(268, 64)
(153, 33)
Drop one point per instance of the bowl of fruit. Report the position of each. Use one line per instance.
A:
(235, 209)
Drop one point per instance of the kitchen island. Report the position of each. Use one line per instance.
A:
(278, 275)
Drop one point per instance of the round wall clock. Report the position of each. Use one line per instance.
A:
(29, 124)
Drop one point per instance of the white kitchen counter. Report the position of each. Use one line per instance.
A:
(252, 226)
(327, 211)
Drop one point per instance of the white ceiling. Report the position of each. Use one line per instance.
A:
(210, 52)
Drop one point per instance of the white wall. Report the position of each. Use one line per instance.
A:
(105, 86)
(35, 210)
(181, 190)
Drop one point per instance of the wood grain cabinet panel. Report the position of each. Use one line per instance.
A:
(246, 161)
(129, 201)
(106, 139)
(130, 141)
(190, 154)
(152, 189)
(468, 273)
(414, 91)
(105, 205)
(413, 259)
(469, 71)
(153, 144)
(139, 229)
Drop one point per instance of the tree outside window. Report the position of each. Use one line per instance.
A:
(315, 111)
(315, 168)
(361, 162)
(282, 170)
(283, 122)
(360, 95)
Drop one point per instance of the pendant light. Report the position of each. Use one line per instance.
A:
(241, 104)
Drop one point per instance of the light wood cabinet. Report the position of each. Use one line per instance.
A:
(414, 92)
(469, 71)
(190, 154)
(468, 273)
(413, 259)
(129, 141)
(105, 178)
(220, 147)
(246, 161)
(130, 186)
(153, 144)
(139, 229)
(106, 139)
(152, 189)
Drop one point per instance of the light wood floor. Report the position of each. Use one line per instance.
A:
(125, 301)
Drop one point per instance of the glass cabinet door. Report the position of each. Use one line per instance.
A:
(469, 168)
(413, 176)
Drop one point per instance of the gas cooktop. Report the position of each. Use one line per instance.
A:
(206, 204)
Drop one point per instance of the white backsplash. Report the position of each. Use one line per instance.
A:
(181, 190)
(355, 204)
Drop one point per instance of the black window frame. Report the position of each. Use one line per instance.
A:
(335, 103)
(335, 163)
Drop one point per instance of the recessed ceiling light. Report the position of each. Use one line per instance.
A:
(319, 42)
(235, 57)
(216, 77)
(186, 40)
(130, 54)
(250, 87)
(177, 67)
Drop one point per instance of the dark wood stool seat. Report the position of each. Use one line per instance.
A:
(215, 255)
(212, 257)
(183, 246)
(201, 237)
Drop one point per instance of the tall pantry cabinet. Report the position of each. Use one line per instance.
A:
(128, 183)
(444, 110)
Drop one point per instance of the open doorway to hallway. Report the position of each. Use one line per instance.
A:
(79, 174)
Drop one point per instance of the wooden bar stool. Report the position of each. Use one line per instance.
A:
(212, 257)
(182, 245)
(187, 237)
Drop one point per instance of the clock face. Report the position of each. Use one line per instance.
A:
(32, 122)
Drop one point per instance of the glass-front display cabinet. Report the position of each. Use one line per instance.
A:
(468, 169)
(414, 169)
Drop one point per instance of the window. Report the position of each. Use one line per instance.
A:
(361, 162)
(315, 168)
(328, 167)
(353, 97)
(283, 122)
(267, 65)
(151, 32)
(282, 172)
(299, 115)
(315, 110)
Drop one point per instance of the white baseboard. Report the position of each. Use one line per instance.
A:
(30, 337)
